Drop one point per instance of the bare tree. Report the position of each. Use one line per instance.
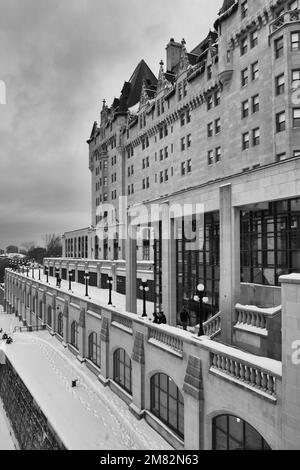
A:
(53, 244)
(29, 246)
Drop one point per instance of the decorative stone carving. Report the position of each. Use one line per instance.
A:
(193, 382)
(104, 334)
(138, 354)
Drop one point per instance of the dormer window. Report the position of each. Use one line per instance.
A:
(244, 9)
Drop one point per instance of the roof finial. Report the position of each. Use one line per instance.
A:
(104, 104)
(183, 42)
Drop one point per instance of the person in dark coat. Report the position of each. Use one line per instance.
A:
(184, 317)
(162, 318)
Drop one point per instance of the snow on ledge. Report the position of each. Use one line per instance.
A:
(270, 312)
(251, 329)
(290, 279)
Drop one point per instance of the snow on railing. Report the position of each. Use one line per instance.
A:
(254, 316)
(245, 373)
(212, 327)
(171, 341)
(286, 17)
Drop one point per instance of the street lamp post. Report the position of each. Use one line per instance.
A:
(27, 269)
(144, 287)
(70, 280)
(202, 300)
(39, 272)
(47, 274)
(110, 282)
(32, 267)
(56, 275)
(87, 278)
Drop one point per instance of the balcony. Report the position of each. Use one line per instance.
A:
(288, 17)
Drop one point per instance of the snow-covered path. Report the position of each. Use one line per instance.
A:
(89, 416)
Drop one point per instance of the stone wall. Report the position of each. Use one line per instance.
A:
(30, 426)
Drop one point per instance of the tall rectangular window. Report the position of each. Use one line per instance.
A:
(296, 117)
(245, 109)
(189, 140)
(279, 84)
(244, 77)
(253, 39)
(182, 168)
(209, 72)
(255, 104)
(210, 129)
(218, 154)
(278, 43)
(295, 79)
(217, 98)
(182, 143)
(210, 157)
(244, 46)
(254, 71)
(209, 102)
(280, 121)
(255, 137)
(295, 41)
(217, 126)
(245, 141)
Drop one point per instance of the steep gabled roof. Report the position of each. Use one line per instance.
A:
(211, 37)
(142, 72)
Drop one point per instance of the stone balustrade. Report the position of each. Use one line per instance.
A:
(285, 18)
(212, 327)
(254, 316)
(245, 373)
(161, 336)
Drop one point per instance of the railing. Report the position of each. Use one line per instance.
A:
(253, 316)
(122, 320)
(244, 373)
(166, 339)
(286, 17)
(212, 327)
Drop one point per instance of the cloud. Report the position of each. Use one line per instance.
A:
(59, 59)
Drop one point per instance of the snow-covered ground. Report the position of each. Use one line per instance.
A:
(89, 416)
(97, 295)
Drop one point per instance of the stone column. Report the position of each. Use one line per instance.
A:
(229, 261)
(66, 324)
(193, 405)
(138, 376)
(104, 341)
(131, 268)
(76, 272)
(290, 361)
(99, 275)
(169, 295)
(81, 336)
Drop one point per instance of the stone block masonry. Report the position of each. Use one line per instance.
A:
(30, 426)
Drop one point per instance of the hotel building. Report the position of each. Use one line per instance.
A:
(218, 130)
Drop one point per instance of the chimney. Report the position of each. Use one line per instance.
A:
(173, 54)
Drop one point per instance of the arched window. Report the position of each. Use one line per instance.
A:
(41, 309)
(122, 370)
(49, 316)
(74, 334)
(167, 402)
(60, 324)
(94, 349)
(232, 433)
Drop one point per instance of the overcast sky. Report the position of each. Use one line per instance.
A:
(59, 60)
